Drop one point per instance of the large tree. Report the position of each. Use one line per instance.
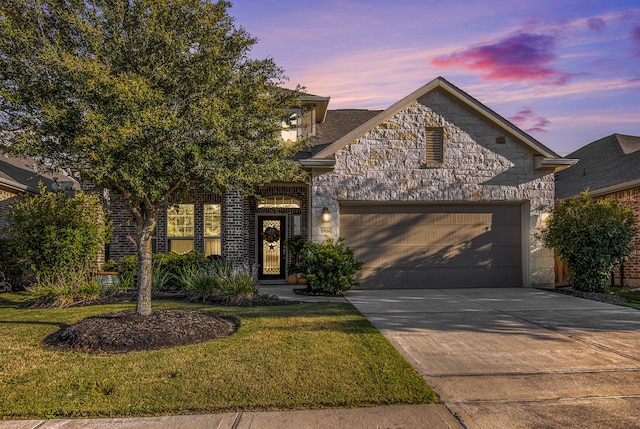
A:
(144, 97)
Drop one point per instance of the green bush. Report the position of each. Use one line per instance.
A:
(201, 283)
(330, 267)
(9, 264)
(50, 232)
(239, 285)
(166, 272)
(175, 263)
(64, 289)
(127, 269)
(294, 244)
(591, 236)
(221, 281)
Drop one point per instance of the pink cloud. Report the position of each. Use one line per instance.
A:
(520, 57)
(528, 120)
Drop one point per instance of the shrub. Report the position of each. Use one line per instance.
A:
(64, 289)
(200, 283)
(52, 233)
(330, 267)
(239, 285)
(161, 277)
(175, 263)
(591, 236)
(294, 245)
(166, 272)
(127, 269)
(221, 281)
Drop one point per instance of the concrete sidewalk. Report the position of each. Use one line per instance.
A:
(404, 416)
(517, 358)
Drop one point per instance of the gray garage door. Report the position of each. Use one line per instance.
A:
(423, 246)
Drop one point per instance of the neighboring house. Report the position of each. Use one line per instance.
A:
(609, 168)
(436, 191)
(19, 175)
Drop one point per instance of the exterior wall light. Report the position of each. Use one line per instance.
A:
(326, 215)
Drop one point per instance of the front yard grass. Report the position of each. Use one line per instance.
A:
(305, 356)
(632, 296)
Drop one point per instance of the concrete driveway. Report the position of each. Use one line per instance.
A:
(516, 358)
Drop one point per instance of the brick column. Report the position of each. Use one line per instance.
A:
(235, 234)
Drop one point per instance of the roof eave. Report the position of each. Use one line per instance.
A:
(612, 189)
(315, 163)
(553, 164)
(15, 186)
(321, 104)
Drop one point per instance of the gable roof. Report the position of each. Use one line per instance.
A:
(606, 165)
(439, 84)
(22, 174)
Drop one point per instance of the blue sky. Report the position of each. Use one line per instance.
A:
(567, 72)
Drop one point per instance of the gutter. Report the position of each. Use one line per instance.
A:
(552, 164)
(611, 189)
(317, 163)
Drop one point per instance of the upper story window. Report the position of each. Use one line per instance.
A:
(292, 125)
(279, 202)
(434, 145)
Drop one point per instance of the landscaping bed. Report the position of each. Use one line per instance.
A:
(126, 331)
(616, 295)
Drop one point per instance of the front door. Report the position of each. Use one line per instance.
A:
(271, 255)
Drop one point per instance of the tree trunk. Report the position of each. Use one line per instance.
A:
(144, 232)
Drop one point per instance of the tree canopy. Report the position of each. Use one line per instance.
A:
(591, 236)
(144, 97)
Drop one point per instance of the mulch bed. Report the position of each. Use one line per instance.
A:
(126, 331)
(594, 296)
(315, 292)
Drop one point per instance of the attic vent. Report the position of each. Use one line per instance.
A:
(434, 145)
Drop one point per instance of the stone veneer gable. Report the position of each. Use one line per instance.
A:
(387, 164)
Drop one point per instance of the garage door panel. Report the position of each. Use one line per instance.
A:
(435, 246)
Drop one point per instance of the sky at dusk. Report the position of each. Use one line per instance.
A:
(567, 72)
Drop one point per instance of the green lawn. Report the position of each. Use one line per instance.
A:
(304, 356)
(632, 296)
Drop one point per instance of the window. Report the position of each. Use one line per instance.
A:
(212, 229)
(291, 125)
(180, 228)
(434, 146)
(279, 202)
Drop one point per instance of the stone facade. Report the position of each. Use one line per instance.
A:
(480, 164)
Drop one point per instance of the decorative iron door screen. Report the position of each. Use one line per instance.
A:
(271, 256)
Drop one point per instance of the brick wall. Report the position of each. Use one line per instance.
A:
(299, 191)
(124, 229)
(235, 227)
(630, 198)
